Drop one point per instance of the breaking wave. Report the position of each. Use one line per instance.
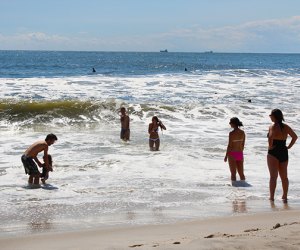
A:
(28, 112)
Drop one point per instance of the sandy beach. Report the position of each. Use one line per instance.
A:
(274, 230)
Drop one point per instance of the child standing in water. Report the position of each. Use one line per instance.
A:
(45, 174)
(235, 149)
(125, 130)
(154, 141)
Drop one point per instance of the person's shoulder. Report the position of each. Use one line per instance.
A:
(40, 143)
(285, 126)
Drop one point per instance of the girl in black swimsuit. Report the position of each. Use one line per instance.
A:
(278, 152)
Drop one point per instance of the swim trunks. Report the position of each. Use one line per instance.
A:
(237, 155)
(124, 135)
(29, 165)
(154, 139)
(279, 150)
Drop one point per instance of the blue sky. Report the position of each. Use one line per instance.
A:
(140, 25)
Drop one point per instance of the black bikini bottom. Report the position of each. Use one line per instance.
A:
(280, 153)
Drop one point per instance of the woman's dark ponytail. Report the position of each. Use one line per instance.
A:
(236, 122)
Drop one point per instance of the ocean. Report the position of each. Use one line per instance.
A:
(100, 181)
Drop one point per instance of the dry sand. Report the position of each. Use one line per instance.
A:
(274, 230)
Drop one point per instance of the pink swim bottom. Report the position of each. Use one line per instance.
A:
(238, 155)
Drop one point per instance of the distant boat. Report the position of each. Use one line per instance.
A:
(208, 52)
(165, 50)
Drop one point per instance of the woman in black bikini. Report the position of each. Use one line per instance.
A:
(278, 152)
(154, 140)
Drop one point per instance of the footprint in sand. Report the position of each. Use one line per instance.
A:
(277, 226)
(219, 235)
(251, 230)
(136, 245)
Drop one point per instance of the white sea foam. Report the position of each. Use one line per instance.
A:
(102, 180)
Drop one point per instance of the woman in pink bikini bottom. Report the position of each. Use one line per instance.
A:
(235, 148)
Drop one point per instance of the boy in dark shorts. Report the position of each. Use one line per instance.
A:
(31, 169)
(30, 160)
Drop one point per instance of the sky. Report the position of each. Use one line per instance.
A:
(254, 26)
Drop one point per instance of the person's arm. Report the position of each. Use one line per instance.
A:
(228, 147)
(292, 134)
(244, 140)
(150, 128)
(270, 137)
(127, 121)
(162, 126)
(38, 161)
(46, 158)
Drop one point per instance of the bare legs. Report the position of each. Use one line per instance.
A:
(276, 167)
(236, 166)
(34, 179)
(273, 165)
(154, 144)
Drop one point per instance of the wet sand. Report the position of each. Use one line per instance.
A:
(273, 230)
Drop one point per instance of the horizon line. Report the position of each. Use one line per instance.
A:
(128, 51)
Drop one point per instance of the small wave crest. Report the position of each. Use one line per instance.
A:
(30, 112)
(66, 112)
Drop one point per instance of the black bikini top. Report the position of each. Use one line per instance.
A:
(280, 143)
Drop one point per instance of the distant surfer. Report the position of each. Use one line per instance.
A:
(125, 122)
(154, 141)
(235, 149)
(185, 69)
(94, 71)
(30, 160)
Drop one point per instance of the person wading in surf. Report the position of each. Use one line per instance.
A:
(278, 157)
(154, 141)
(125, 121)
(29, 158)
(235, 149)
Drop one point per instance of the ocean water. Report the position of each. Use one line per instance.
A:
(99, 180)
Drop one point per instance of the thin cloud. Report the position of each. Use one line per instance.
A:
(260, 36)
(275, 35)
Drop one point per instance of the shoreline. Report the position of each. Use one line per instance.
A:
(247, 231)
(47, 219)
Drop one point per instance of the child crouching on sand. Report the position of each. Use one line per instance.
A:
(45, 174)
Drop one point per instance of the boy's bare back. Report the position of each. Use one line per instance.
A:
(35, 148)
